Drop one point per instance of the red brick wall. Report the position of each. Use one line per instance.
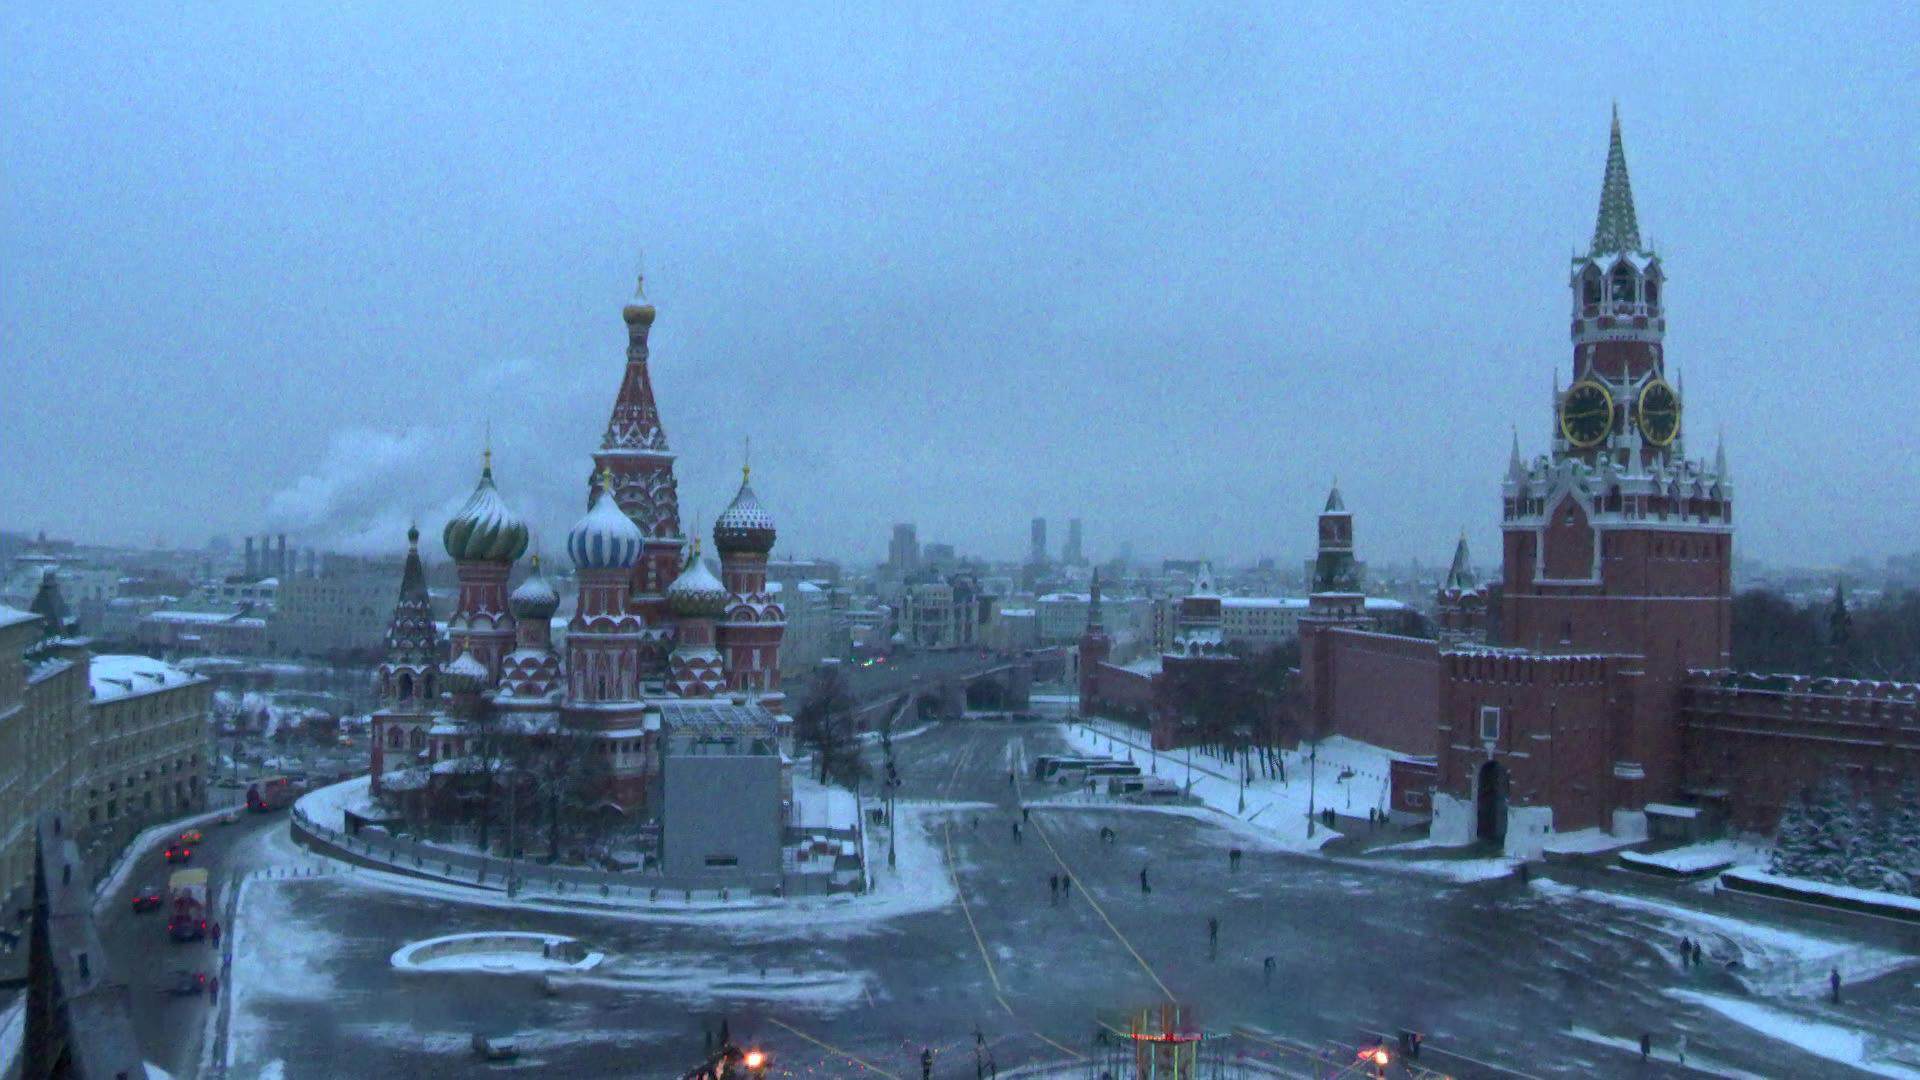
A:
(1382, 689)
(1762, 746)
(1556, 719)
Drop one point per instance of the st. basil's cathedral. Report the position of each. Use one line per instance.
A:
(652, 625)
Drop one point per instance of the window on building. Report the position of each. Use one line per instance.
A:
(723, 860)
(1623, 285)
(1652, 289)
(1490, 722)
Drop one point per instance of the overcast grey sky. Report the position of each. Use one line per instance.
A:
(1166, 269)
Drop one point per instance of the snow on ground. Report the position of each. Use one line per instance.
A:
(276, 957)
(1699, 858)
(1349, 776)
(328, 805)
(13, 1033)
(1664, 1049)
(1586, 842)
(696, 980)
(1843, 892)
(919, 883)
(490, 951)
(1769, 959)
(821, 806)
(1830, 1041)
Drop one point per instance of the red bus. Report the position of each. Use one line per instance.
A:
(270, 793)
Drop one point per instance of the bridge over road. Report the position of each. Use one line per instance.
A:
(951, 680)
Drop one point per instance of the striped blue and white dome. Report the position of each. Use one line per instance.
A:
(605, 538)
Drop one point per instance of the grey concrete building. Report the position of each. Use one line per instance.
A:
(725, 794)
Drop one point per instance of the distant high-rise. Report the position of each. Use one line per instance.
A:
(1038, 556)
(903, 553)
(1071, 554)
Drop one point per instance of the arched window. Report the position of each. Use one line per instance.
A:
(419, 739)
(406, 686)
(1590, 287)
(1651, 287)
(1623, 284)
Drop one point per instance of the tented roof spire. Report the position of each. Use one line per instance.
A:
(1616, 229)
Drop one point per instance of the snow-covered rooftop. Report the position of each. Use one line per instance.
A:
(11, 615)
(115, 676)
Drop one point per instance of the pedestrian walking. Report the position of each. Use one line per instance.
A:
(1016, 832)
(1144, 887)
(1009, 777)
(1053, 887)
(1681, 1049)
(1213, 937)
(213, 990)
(1066, 886)
(1646, 1046)
(1026, 813)
(1833, 983)
(1697, 951)
(976, 823)
(215, 931)
(1686, 951)
(1268, 965)
(1233, 859)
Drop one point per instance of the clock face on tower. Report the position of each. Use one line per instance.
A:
(1586, 414)
(1659, 412)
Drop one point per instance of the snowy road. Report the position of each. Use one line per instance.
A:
(1548, 982)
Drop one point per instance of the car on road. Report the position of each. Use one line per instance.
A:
(178, 852)
(191, 836)
(147, 899)
(184, 983)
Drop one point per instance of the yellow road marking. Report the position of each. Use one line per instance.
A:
(1051, 1043)
(1098, 910)
(946, 831)
(831, 1049)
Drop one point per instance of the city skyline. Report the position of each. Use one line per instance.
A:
(350, 335)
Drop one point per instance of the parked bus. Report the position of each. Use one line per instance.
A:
(1059, 765)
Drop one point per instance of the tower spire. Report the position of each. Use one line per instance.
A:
(1616, 229)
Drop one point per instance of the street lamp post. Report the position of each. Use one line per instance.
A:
(1313, 764)
(893, 825)
(1243, 786)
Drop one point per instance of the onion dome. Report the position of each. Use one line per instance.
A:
(535, 598)
(746, 526)
(464, 674)
(696, 593)
(606, 538)
(485, 530)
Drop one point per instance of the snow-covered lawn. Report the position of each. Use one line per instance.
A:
(1348, 775)
(1821, 888)
(1831, 1041)
(1700, 858)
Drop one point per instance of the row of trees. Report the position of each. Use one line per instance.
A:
(1241, 709)
(525, 790)
(1878, 640)
(1835, 835)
